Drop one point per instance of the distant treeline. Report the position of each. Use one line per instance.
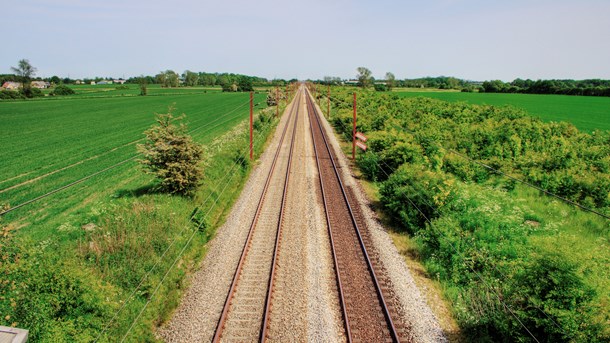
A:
(594, 87)
(187, 78)
(441, 82)
(591, 87)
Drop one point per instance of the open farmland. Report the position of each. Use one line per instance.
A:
(134, 90)
(51, 143)
(586, 113)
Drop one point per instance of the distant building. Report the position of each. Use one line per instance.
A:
(10, 85)
(40, 84)
(120, 81)
(93, 83)
(78, 82)
(105, 82)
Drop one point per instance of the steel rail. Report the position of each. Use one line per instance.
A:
(267, 310)
(386, 312)
(246, 248)
(330, 234)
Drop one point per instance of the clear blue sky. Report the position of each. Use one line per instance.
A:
(471, 39)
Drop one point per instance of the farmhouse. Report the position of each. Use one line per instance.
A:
(10, 85)
(41, 84)
(120, 81)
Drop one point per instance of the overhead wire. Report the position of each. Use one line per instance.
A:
(238, 162)
(435, 210)
(98, 172)
(457, 252)
(37, 178)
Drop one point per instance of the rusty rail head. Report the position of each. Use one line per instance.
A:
(235, 280)
(267, 310)
(386, 312)
(348, 332)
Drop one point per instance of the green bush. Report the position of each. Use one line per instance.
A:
(62, 90)
(263, 119)
(552, 284)
(480, 248)
(11, 95)
(413, 195)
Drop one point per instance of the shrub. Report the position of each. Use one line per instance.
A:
(11, 95)
(480, 248)
(172, 155)
(264, 118)
(413, 195)
(380, 87)
(551, 283)
(62, 90)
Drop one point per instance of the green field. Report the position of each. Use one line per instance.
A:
(586, 113)
(86, 135)
(66, 283)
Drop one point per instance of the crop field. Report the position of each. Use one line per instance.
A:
(586, 113)
(50, 143)
(117, 90)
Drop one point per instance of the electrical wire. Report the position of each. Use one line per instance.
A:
(238, 162)
(92, 175)
(35, 179)
(474, 271)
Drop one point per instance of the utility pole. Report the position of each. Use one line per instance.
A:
(328, 109)
(354, 131)
(251, 125)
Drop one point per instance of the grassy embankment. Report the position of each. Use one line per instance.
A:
(71, 261)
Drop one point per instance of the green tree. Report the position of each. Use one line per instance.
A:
(245, 84)
(390, 80)
(25, 71)
(190, 78)
(364, 77)
(168, 78)
(143, 82)
(172, 155)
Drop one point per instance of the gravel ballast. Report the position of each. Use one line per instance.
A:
(305, 305)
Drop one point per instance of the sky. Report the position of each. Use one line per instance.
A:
(468, 39)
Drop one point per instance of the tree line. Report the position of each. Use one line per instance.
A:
(591, 87)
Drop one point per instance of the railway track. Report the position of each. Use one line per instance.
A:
(369, 314)
(245, 314)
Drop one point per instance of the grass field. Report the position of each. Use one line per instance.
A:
(65, 283)
(87, 91)
(586, 113)
(41, 138)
